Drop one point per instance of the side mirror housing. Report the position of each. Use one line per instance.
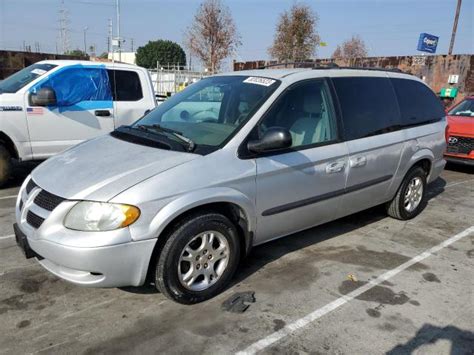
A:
(275, 138)
(44, 97)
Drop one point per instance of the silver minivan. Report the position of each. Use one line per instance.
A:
(233, 161)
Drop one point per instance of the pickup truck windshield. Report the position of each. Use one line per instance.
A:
(25, 76)
(209, 112)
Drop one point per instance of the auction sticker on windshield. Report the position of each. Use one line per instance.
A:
(38, 71)
(259, 81)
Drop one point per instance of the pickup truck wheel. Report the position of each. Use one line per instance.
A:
(410, 199)
(5, 165)
(198, 259)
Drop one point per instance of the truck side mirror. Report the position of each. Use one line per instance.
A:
(44, 97)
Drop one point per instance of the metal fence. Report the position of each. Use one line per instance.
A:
(170, 79)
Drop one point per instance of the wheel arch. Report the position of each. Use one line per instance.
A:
(423, 158)
(231, 203)
(8, 143)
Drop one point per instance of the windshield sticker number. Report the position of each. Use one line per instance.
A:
(259, 81)
(38, 71)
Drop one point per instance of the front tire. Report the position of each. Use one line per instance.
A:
(410, 199)
(5, 165)
(198, 259)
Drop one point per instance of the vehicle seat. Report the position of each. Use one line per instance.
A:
(308, 128)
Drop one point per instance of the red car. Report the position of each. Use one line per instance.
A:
(460, 133)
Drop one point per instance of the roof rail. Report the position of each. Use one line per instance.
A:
(309, 65)
(316, 66)
(395, 70)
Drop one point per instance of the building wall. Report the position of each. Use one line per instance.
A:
(13, 61)
(125, 57)
(433, 69)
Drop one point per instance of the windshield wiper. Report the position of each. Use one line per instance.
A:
(190, 145)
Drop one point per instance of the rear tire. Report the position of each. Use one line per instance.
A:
(5, 165)
(410, 199)
(198, 259)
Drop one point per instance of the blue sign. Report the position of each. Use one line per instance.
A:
(427, 43)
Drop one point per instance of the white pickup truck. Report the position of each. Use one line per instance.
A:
(53, 105)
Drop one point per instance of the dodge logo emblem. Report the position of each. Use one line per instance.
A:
(452, 140)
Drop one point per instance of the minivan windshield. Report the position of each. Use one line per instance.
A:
(208, 112)
(465, 108)
(25, 76)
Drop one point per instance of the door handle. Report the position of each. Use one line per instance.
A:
(335, 167)
(102, 113)
(358, 162)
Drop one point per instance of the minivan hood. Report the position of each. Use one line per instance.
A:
(103, 167)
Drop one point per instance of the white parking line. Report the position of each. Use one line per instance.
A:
(7, 197)
(311, 317)
(459, 182)
(7, 236)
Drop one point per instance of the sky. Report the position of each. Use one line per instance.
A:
(389, 27)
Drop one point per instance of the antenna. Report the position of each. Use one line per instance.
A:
(64, 27)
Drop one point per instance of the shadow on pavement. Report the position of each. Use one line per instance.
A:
(19, 173)
(460, 168)
(462, 341)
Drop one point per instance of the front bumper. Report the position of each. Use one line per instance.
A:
(109, 266)
(98, 259)
(113, 266)
(458, 159)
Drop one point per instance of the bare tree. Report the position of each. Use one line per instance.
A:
(296, 38)
(352, 48)
(212, 36)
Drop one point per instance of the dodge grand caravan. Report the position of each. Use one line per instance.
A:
(233, 161)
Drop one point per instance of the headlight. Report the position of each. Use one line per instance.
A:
(100, 216)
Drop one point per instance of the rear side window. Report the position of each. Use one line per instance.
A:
(418, 104)
(125, 85)
(368, 104)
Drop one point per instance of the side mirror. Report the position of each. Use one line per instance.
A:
(44, 97)
(275, 138)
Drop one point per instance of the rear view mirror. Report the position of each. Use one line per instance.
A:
(44, 97)
(275, 138)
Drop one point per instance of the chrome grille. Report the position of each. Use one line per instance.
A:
(462, 145)
(34, 220)
(47, 200)
(30, 186)
(43, 204)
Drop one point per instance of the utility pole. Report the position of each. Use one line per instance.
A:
(64, 27)
(85, 39)
(131, 43)
(109, 38)
(455, 27)
(117, 6)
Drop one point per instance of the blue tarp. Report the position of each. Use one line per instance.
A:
(79, 87)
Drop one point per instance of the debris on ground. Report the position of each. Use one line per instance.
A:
(238, 302)
(352, 277)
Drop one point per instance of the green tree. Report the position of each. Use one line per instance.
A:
(160, 51)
